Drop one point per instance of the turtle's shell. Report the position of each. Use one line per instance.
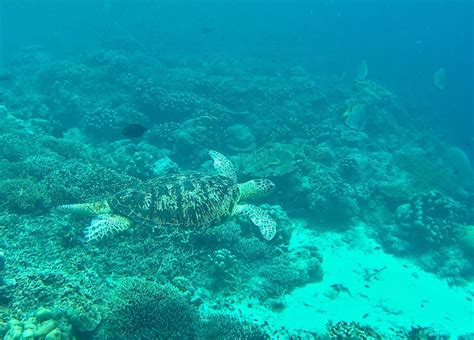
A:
(188, 200)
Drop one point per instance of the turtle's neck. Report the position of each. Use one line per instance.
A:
(248, 190)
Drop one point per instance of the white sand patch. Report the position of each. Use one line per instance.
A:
(400, 295)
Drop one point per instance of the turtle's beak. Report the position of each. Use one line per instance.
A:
(271, 186)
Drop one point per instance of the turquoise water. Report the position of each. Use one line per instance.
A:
(236, 170)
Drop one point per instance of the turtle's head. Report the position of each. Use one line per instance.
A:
(256, 188)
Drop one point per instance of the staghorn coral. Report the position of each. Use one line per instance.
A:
(142, 309)
(24, 196)
(228, 327)
(253, 249)
(288, 271)
(76, 181)
(278, 278)
(351, 330)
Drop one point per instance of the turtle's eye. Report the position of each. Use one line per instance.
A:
(265, 186)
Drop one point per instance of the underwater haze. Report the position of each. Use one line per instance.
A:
(236, 169)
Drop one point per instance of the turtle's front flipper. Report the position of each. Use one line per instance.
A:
(260, 218)
(222, 165)
(106, 224)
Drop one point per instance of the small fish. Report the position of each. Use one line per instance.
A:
(207, 30)
(362, 71)
(355, 117)
(5, 76)
(134, 130)
(439, 78)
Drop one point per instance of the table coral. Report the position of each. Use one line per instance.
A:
(272, 160)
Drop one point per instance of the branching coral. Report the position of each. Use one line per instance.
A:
(142, 309)
(229, 327)
(222, 267)
(351, 330)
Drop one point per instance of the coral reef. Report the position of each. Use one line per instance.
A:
(239, 138)
(222, 264)
(351, 330)
(45, 324)
(228, 327)
(6, 286)
(430, 220)
(143, 309)
(432, 227)
(61, 142)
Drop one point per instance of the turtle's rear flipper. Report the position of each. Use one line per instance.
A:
(106, 224)
(90, 209)
(261, 219)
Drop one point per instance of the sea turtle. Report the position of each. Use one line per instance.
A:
(190, 200)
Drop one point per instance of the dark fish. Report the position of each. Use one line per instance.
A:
(207, 30)
(134, 130)
(5, 76)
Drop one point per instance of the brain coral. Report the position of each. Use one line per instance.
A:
(430, 220)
